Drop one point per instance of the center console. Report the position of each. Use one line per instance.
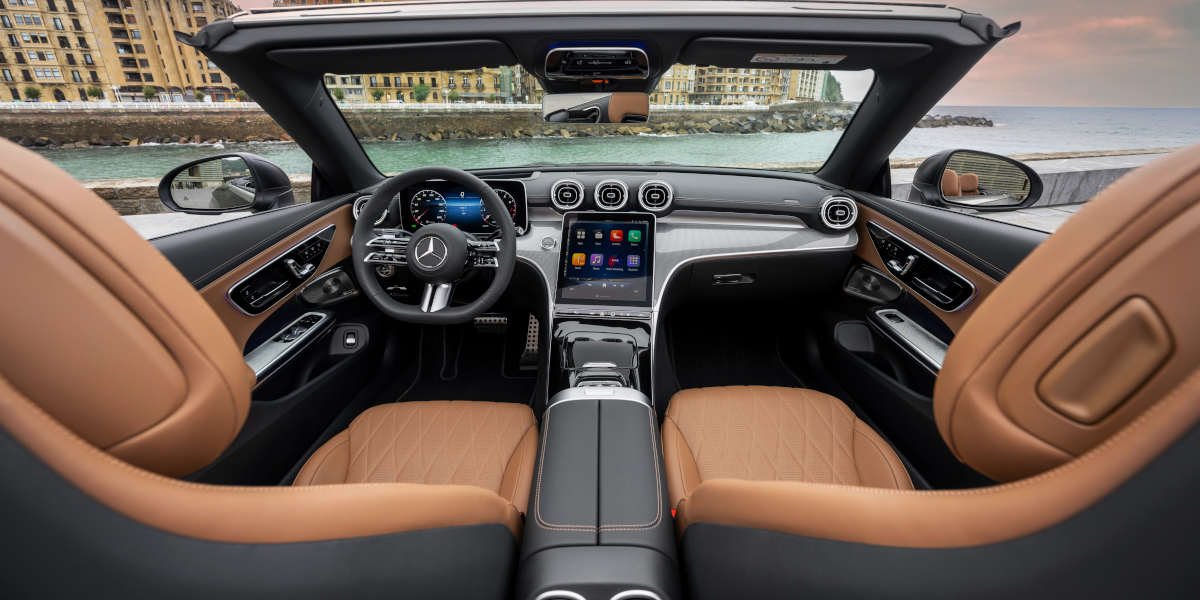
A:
(599, 525)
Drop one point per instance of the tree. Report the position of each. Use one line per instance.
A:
(199, 95)
(338, 94)
(33, 92)
(833, 89)
(377, 94)
(94, 91)
(242, 96)
(421, 92)
(453, 96)
(494, 98)
(150, 93)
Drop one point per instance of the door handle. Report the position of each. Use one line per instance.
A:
(732, 279)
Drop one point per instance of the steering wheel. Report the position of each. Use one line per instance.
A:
(439, 254)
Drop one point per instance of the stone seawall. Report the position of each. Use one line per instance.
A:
(119, 127)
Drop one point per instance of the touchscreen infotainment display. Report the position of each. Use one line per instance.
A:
(606, 258)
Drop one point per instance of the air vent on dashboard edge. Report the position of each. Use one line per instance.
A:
(838, 212)
(360, 203)
(566, 194)
(611, 194)
(655, 196)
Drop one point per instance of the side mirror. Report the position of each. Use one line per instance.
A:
(226, 183)
(975, 180)
(596, 107)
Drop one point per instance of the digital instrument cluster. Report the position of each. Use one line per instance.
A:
(442, 202)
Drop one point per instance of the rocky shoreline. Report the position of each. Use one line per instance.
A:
(767, 121)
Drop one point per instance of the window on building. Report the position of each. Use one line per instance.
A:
(214, 77)
(139, 48)
(4, 20)
(82, 41)
(82, 95)
(197, 7)
(64, 41)
(148, 76)
(135, 34)
(409, 80)
(87, 59)
(132, 76)
(143, 63)
(12, 40)
(76, 77)
(58, 24)
(201, 22)
(7, 75)
(94, 76)
(51, 6)
(70, 59)
(387, 81)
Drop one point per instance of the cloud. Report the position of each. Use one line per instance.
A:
(1096, 53)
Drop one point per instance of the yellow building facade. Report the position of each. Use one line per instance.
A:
(73, 50)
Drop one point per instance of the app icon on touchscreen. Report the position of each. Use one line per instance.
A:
(635, 235)
(580, 234)
(633, 260)
(599, 235)
(597, 260)
(614, 261)
(578, 259)
(616, 235)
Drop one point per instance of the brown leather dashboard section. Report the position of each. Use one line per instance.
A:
(241, 325)
(866, 250)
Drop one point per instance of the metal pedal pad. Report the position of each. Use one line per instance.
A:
(491, 323)
(529, 356)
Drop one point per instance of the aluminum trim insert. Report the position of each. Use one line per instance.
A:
(269, 355)
(969, 283)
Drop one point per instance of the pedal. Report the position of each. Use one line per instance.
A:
(491, 323)
(529, 355)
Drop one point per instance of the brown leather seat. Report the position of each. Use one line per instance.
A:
(1076, 372)
(485, 444)
(118, 377)
(772, 434)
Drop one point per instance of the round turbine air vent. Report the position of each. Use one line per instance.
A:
(360, 203)
(838, 212)
(566, 194)
(611, 194)
(655, 196)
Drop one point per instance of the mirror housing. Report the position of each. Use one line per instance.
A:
(977, 180)
(238, 181)
(596, 107)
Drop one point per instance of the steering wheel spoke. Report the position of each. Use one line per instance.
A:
(387, 247)
(436, 297)
(483, 254)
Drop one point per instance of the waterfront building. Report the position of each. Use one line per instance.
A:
(805, 85)
(73, 50)
(676, 85)
(719, 85)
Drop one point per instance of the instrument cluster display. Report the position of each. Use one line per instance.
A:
(443, 202)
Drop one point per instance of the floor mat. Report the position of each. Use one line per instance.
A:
(462, 363)
(710, 352)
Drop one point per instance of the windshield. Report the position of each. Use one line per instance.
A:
(784, 119)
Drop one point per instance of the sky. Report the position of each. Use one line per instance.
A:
(1073, 53)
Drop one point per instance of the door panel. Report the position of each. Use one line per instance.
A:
(241, 325)
(204, 254)
(954, 319)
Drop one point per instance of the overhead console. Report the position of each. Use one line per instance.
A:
(597, 63)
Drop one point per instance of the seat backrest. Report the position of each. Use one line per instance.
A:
(950, 183)
(968, 184)
(1093, 328)
(102, 333)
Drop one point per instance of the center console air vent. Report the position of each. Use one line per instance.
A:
(838, 212)
(566, 194)
(360, 203)
(591, 63)
(655, 196)
(611, 194)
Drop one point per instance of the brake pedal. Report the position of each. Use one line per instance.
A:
(491, 323)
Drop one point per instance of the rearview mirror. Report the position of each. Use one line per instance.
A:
(976, 180)
(596, 107)
(226, 183)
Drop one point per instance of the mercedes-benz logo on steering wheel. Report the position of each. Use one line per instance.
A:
(431, 252)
